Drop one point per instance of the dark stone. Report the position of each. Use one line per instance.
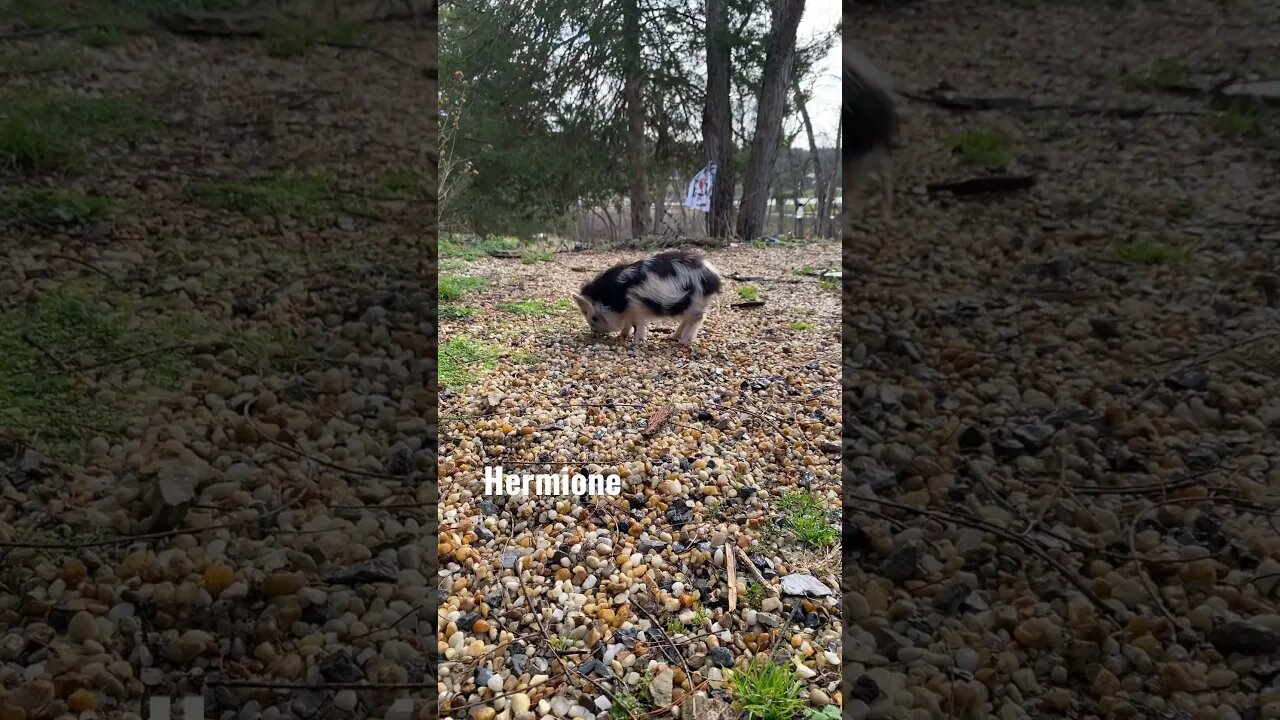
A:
(595, 667)
(338, 667)
(637, 501)
(401, 462)
(518, 663)
(1245, 637)
(627, 636)
(468, 621)
(971, 440)
(1104, 329)
(721, 657)
(902, 565)
(882, 481)
(370, 571)
(679, 515)
(645, 546)
(1191, 379)
(482, 676)
(866, 689)
(746, 493)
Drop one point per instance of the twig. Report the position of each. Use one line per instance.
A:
(732, 579)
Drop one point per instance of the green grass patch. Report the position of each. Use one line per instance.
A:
(768, 691)
(463, 247)
(807, 518)
(748, 293)
(456, 312)
(829, 284)
(1163, 74)
(399, 184)
(303, 196)
(676, 627)
(84, 325)
(627, 707)
(462, 357)
(701, 616)
(804, 270)
(533, 257)
(292, 39)
(46, 131)
(754, 595)
(1234, 123)
(48, 60)
(800, 325)
(1151, 252)
(981, 148)
(51, 207)
(453, 287)
(535, 307)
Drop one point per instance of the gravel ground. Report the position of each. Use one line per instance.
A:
(214, 464)
(572, 607)
(1060, 406)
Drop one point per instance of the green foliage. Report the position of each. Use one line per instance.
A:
(754, 595)
(627, 706)
(748, 293)
(470, 247)
(1234, 122)
(800, 325)
(533, 257)
(303, 196)
(983, 148)
(456, 312)
(807, 518)
(1164, 74)
(561, 642)
(676, 627)
(50, 207)
(701, 616)
(829, 284)
(768, 691)
(453, 287)
(1150, 252)
(535, 307)
(47, 131)
(460, 357)
(92, 326)
(830, 712)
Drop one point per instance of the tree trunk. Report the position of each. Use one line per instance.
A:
(819, 178)
(831, 183)
(717, 121)
(778, 63)
(633, 93)
(660, 205)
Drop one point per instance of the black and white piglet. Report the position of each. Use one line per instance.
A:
(628, 296)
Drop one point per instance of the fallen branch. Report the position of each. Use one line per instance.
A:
(746, 305)
(982, 185)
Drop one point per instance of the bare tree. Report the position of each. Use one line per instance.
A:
(815, 159)
(778, 64)
(633, 95)
(717, 120)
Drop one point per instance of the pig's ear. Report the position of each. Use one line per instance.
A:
(583, 303)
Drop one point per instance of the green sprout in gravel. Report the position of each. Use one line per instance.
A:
(456, 312)
(627, 706)
(676, 627)
(533, 257)
(50, 207)
(755, 595)
(983, 148)
(800, 325)
(1150, 252)
(829, 284)
(701, 616)
(453, 287)
(304, 196)
(535, 307)
(768, 691)
(1234, 123)
(46, 131)
(748, 293)
(808, 519)
(461, 356)
(561, 642)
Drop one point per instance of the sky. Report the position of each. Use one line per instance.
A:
(821, 16)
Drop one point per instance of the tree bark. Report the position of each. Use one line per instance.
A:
(633, 93)
(778, 64)
(717, 120)
(660, 205)
(819, 178)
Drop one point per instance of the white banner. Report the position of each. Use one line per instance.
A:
(699, 195)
